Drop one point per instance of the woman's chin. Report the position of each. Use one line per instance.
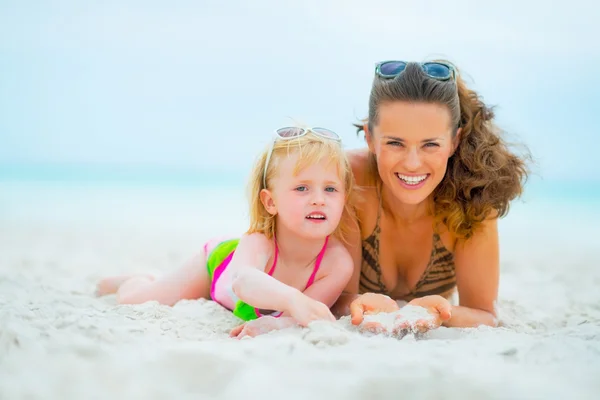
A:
(412, 197)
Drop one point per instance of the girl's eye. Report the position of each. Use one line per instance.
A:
(431, 144)
(301, 188)
(330, 189)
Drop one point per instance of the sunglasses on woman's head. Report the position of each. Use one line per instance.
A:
(433, 69)
(290, 133)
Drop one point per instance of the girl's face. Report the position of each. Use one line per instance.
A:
(308, 202)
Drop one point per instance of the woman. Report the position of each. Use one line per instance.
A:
(435, 178)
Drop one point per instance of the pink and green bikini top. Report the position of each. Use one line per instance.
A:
(221, 256)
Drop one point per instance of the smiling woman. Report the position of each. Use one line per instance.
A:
(435, 177)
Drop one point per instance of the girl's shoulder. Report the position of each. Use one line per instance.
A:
(335, 244)
(257, 241)
(253, 249)
(337, 257)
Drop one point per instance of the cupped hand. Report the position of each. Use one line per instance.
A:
(371, 303)
(438, 311)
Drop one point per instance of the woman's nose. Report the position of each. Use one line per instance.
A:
(413, 160)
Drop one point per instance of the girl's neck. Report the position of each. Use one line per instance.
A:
(295, 249)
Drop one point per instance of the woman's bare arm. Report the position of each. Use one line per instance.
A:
(477, 276)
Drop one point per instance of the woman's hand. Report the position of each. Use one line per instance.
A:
(261, 326)
(436, 310)
(439, 309)
(371, 303)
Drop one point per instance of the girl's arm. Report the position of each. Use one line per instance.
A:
(249, 281)
(334, 275)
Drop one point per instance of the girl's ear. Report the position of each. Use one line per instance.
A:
(266, 198)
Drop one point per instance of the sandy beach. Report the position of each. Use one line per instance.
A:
(58, 341)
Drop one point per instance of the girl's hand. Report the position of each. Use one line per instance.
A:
(305, 310)
(260, 326)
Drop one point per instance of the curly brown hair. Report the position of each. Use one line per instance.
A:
(483, 174)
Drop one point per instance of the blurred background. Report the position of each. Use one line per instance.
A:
(184, 94)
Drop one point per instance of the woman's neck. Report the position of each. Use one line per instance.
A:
(295, 249)
(402, 212)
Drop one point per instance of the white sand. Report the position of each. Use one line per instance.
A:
(407, 318)
(59, 342)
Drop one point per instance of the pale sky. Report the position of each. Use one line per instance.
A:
(197, 84)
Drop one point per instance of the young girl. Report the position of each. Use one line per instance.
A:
(291, 263)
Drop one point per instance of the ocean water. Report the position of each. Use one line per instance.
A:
(551, 217)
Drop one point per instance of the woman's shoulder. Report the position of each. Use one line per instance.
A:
(359, 162)
(365, 193)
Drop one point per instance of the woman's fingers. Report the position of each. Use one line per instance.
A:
(445, 310)
(373, 327)
(423, 325)
(371, 303)
(357, 311)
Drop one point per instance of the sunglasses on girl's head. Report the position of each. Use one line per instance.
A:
(434, 69)
(294, 132)
(289, 133)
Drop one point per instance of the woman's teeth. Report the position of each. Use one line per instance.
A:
(412, 180)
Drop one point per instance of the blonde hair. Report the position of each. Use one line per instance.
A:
(312, 149)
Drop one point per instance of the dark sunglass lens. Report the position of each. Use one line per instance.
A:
(392, 68)
(436, 70)
(289, 132)
(326, 133)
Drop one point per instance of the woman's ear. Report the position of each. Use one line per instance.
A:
(456, 140)
(369, 137)
(267, 201)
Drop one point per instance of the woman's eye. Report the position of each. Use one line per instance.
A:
(394, 143)
(431, 144)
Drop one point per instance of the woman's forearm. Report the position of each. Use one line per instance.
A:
(342, 305)
(465, 317)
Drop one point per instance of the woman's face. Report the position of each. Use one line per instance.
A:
(412, 143)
